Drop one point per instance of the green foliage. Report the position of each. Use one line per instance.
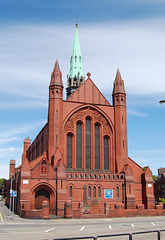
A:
(3, 186)
(154, 177)
(162, 200)
(2, 181)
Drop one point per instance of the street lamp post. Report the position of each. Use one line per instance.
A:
(10, 193)
(162, 101)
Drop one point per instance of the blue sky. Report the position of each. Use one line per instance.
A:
(124, 34)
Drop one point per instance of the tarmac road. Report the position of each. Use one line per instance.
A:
(26, 229)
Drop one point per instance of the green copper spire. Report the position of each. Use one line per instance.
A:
(76, 68)
(75, 77)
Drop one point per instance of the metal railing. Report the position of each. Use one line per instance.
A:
(130, 235)
(75, 238)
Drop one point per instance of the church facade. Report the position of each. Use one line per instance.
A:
(78, 164)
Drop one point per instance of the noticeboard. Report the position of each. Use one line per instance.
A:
(108, 193)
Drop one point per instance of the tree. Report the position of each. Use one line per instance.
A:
(3, 186)
(154, 177)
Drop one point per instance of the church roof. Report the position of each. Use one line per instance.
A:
(88, 93)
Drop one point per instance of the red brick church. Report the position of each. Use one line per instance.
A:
(78, 164)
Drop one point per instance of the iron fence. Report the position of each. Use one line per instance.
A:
(129, 235)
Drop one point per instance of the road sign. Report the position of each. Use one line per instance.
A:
(14, 193)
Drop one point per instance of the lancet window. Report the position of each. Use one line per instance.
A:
(106, 152)
(88, 143)
(97, 146)
(79, 145)
(70, 192)
(69, 151)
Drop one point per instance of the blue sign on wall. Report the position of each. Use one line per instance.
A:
(108, 193)
(14, 193)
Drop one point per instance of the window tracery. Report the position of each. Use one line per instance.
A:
(92, 132)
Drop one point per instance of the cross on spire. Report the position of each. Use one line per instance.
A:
(76, 19)
(88, 75)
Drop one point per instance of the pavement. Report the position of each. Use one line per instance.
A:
(5, 216)
(10, 217)
(13, 227)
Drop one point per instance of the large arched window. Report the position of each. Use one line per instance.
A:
(106, 152)
(69, 151)
(79, 145)
(88, 143)
(97, 146)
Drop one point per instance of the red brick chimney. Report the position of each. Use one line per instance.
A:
(27, 143)
(12, 168)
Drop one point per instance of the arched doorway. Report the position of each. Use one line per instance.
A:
(40, 196)
(42, 192)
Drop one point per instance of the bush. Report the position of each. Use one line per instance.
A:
(162, 200)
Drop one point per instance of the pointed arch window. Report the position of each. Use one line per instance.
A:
(36, 149)
(70, 192)
(79, 145)
(89, 192)
(97, 146)
(69, 151)
(94, 192)
(32, 153)
(88, 143)
(117, 192)
(99, 192)
(52, 161)
(106, 152)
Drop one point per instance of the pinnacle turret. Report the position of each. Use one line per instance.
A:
(56, 76)
(118, 84)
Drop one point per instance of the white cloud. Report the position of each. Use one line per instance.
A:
(7, 140)
(5, 155)
(4, 171)
(11, 149)
(28, 53)
(136, 113)
(154, 158)
(10, 134)
(11, 138)
(24, 103)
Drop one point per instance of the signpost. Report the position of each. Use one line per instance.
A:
(13, 194)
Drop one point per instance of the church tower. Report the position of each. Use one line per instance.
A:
(75, 77)
(120, 116)
(55, 112)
